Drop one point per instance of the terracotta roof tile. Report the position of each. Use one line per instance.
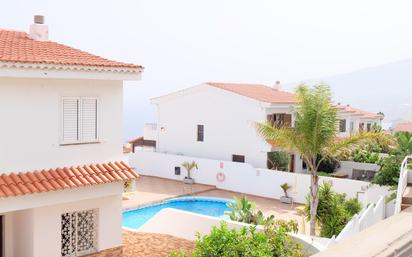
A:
(407, 127)
(258, 92)
(358, 112)
(24, 183)
(16, 46)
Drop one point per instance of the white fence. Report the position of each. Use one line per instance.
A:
(402, 183)
(242, 177)
(366, 218)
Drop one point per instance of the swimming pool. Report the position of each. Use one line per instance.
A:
(210, 206)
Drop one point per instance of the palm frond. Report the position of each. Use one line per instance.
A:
(283, 137)
(354, 141)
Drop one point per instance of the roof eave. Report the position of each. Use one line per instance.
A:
(37, 70)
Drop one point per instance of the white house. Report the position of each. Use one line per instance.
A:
(216, 120)
(352, 120)
(62, 173)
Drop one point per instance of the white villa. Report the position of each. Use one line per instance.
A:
(216, 120)
(62, 174)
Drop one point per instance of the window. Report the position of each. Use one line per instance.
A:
(200, 133)
(342, 125)
(361, 127)
(79, 120)
(78, 233)
(280, 119)
(238, 158)
(352, 126)
(368, 127)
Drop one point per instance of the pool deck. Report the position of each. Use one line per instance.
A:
(152, 189)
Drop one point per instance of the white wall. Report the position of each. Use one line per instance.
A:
(240, 177)
(348, 166)
(228, 125)
(188, 224)
(47, 224)
(37, 232)
(30, 111)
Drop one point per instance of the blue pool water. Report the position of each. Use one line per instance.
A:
(210, 206)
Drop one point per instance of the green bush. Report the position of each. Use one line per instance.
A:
(278, 161)
(389, 172)
(245, 242)
(328, 165)
(365, 156)
(334, 210)
(244, 211)
(324, 174)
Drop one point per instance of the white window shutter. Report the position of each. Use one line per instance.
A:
(89, 119)
(70, 119)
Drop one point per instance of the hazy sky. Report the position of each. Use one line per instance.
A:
(185, 42)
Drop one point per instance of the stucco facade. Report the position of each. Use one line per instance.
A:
(31, 134)
(228, 121)
(62, 175)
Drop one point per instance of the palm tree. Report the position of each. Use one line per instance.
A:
(314, 135)
(189, 166)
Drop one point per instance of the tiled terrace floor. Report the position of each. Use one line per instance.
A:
(152, 189)
(153, 245)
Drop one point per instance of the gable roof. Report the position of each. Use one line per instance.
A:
(258, 92)
(18, 47)
(357, 112)
(32, 182)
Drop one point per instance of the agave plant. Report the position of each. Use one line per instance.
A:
(242, 210)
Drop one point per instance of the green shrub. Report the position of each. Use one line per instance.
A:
(247, 242)
(244, 211)
(324, 174)
(328, 165)
(334, 210)
(389, 172)
(365, 156)
(278, 161)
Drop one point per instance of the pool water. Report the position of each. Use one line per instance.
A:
(210, 206)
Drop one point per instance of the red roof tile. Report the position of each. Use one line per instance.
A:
(406, 127)
(64, 178)
(258, 92)
(16, 46)
(362, 113)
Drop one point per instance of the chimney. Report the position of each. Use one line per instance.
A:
(277, 85)
(39, 31)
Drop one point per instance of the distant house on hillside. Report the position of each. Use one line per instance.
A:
(62, 174)
(216, 120)
(403, 127)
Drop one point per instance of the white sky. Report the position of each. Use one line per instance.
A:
(185, 42)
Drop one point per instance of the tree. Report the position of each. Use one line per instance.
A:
(313, 134)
